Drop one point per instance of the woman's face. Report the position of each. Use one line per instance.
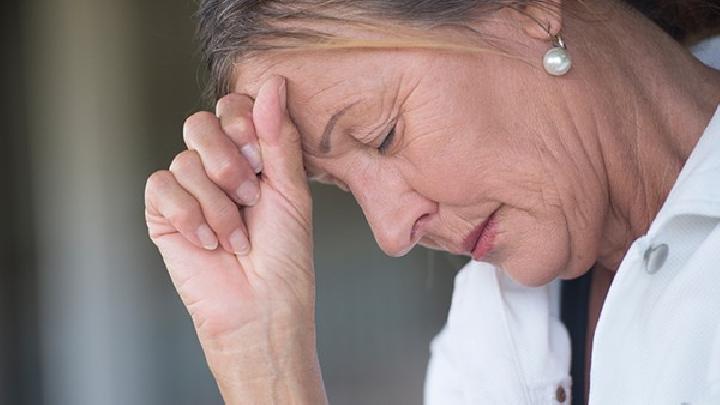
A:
(433, 144)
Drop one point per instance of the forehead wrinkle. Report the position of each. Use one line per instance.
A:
(324, 89)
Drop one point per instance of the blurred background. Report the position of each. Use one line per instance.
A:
(93, 98)
(95, 93)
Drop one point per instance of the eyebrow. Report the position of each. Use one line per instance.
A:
(326, 139)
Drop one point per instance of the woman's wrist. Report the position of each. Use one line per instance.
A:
(282, 368)
(293, 385)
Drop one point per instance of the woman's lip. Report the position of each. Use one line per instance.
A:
(479, 242)
(471, 240)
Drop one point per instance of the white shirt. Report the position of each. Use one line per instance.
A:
(503, 344)
(658, 337)
(708, 51)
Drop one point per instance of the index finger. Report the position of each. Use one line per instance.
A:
(235, 113)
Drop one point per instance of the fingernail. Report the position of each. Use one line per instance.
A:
(248, 193)
(282, 90)
(252, 154)
(239, 243)
(207, 237)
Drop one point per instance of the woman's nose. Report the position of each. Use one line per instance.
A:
(392, 214)
(392, 230)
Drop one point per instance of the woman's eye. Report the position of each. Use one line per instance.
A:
(387, 142)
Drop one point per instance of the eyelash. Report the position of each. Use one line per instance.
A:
(387, 142)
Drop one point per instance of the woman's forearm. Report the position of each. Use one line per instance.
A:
(284, 369)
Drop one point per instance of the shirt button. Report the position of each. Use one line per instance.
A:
(655, 257)
(560, 394)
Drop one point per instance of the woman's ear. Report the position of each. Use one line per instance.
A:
(541, 19)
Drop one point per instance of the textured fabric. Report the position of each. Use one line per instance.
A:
(503, 344)
(658, 336)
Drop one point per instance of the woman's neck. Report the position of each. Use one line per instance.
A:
(662, 100)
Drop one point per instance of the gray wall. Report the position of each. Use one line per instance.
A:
(109, 83)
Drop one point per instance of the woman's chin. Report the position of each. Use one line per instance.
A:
(533, 267)
(528, 276)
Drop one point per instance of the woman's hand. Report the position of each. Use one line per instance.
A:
(238, 247)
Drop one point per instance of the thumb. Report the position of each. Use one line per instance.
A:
(279, 139)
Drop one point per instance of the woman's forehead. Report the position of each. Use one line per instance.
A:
(319, 87)
(325, 99)
(314, 72)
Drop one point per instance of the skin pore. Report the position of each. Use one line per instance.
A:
(575, 168)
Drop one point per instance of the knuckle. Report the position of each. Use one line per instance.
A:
(184, 161)
(224, 170)
(239, 127)
(186, 214)
(227, 214)
(196, 123)
(234, 100)
(158, 181)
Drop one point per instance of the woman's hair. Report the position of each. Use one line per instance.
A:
(687, 21)
(231, 29)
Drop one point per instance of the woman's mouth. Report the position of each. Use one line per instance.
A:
(480, 241)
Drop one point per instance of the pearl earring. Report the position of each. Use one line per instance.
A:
(557, 60)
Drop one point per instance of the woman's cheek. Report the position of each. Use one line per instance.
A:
(356, 171)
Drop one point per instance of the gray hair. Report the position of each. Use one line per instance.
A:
(231, 29)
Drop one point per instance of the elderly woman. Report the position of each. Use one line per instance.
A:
(541, 138)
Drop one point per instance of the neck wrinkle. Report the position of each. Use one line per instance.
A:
(670, 99)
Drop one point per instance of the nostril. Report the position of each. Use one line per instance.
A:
(416, 227)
